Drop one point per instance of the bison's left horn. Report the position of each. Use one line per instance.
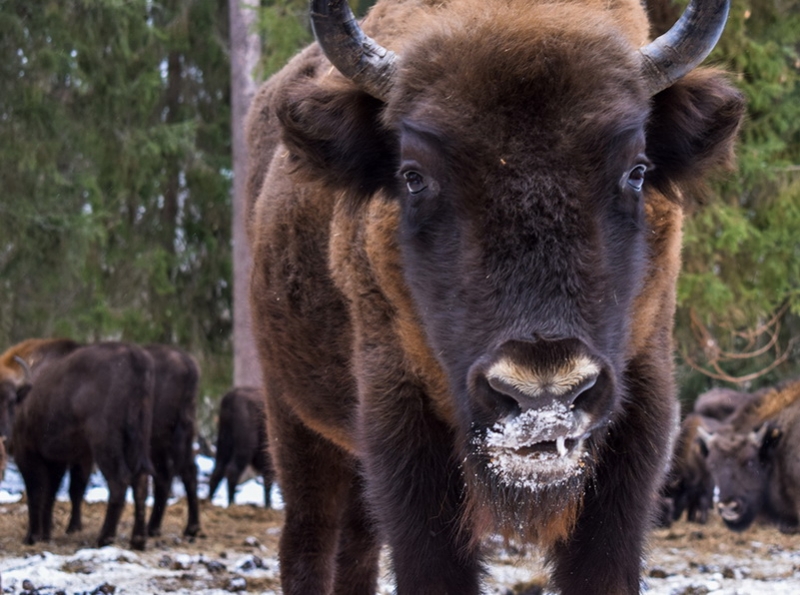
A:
(25, 367)
(674, 54)
(355, 55)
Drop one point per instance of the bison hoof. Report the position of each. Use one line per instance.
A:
(789, 528)
(138, 542)
(74, 529)
(191, 530)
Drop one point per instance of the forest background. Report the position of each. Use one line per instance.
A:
(116, 179)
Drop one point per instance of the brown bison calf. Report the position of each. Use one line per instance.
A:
(241, 441)
(93, 404)
(466, 234)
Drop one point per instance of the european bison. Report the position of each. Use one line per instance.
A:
(93, 404)
(689, 485)
(754, 458)
(171, 443)
(241, 441)
(466, 245)
(174, 429)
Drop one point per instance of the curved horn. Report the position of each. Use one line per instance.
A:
(25, 368)
(355, 55)
(705, 436)
(756, 437)
(671, 56)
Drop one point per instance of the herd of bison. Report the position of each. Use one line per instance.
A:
(130, 411)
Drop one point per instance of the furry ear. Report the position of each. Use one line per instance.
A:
(334, 133)
(771, 437)
(22, 392)
(692, 130)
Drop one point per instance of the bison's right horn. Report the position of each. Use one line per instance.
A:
(25, 368)
(355, 55)
(756, 437)
(685, 45)
(706, 437)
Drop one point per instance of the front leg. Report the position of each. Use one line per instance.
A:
(416, 486)
(603, 555)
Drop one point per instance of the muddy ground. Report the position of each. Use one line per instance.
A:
(237, 553)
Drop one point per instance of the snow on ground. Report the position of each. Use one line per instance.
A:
(686, 560)
(248, 492)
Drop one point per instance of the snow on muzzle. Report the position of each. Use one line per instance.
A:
(546, 398)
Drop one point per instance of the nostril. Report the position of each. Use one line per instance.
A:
(582, 391)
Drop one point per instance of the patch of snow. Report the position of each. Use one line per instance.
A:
(249, 492)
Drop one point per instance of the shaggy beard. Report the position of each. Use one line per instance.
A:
(534, 509)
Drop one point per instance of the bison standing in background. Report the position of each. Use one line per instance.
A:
(466, 245)
(754, 458)
(171, 443)
(94, 404)
(174, 429)
(241, 441)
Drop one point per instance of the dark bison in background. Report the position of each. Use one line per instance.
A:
(94, 403)
(689, 485)
(466, 244)
(754, 458)
(174, 428)
(171, 443)
(241, 441)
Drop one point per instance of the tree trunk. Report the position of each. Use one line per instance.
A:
(245, 49)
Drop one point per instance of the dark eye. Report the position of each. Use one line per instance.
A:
(415, 182)
(636, 177)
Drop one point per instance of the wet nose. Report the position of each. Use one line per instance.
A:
(729, 509)
(543, 374)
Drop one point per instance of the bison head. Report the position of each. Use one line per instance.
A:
(741, 463)
(529, 151)
(14, 385)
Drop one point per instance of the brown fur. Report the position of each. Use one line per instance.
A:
(375, 309)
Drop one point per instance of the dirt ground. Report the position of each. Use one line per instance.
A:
(237, 553)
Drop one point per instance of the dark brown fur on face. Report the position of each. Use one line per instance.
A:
(414, 340)
(93, 404)
(241, 441)
(754, 458)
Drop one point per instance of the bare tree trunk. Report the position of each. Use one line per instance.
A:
(245, 50)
